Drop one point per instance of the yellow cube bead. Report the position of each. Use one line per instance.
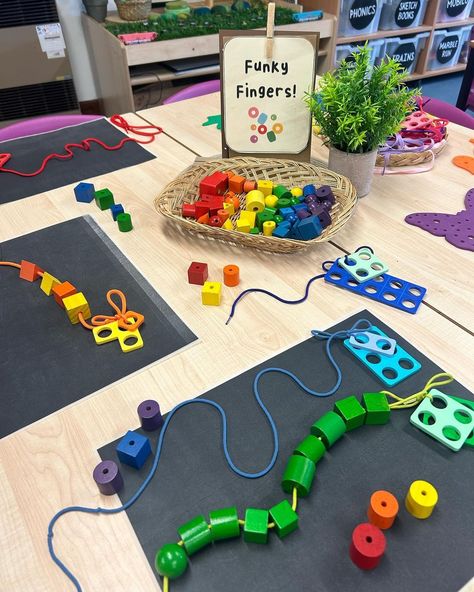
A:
(48, 282)
(271, 201)
(248, 217)
(421, 499)
(228, 224)
(296, 192)
(265, 187)
(228, 207)
(243, 225)
(211, 293)
(268, 227)
(74, 305)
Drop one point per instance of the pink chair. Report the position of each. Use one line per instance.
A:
(39, 125)
(447, 111)
(195, 90)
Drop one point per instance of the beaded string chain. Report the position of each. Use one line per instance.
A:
(224, 523)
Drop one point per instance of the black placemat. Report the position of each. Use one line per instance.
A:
(46, 362)
(28, 154)
(193, 478)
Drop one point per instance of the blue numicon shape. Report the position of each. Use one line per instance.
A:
(133, 449)
(84, 192)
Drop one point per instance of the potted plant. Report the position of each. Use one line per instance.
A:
(357, 107)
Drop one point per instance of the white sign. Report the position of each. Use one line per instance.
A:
(51, 40)
(264, 108)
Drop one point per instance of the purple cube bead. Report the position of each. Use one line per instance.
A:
(327, 205)
(310, 198)
(150, 415)
(302, 214)
(322, 213)
(108, 477)
(324, 193)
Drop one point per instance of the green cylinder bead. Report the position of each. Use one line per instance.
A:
(195, 534)
(124, 222)
(284, 202)
(280, 191)
(171, 561)
(312, 448)
(295, 201)
(299, 473)
(278, 219)
(224, 524)
(329, 427)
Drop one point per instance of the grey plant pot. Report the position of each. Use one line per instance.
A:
(359, 168)
(97, 9)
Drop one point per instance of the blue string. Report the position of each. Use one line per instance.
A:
(356, 328)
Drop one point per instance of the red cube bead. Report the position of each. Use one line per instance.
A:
(29, 271)
(201, 208)
(217, 184)
(197, 273)
(215, 204)
(188, 210)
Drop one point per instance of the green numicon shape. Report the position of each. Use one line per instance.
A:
(224, 523)
(256, 526)
(195, 534)
(124, 222)
(330, 427)
(104, 199)
(299, 473)
(311, 447)
(285, 518)
(171, 561)
(351, 412)
(378, 411)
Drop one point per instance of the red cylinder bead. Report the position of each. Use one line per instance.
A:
(367, 546)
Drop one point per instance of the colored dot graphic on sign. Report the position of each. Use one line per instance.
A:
(262, 129)
(254, 139)
(253, 112)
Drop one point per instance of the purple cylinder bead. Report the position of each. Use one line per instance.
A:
(108, 477)
(150, 415)
(324, 193)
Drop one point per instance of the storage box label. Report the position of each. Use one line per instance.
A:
(405, 54)
(455, 7)
(362, 13)
(447, 48)
(406, 12)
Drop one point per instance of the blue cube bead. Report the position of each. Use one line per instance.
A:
(116, 209)
(309, 190)
(134, 449)
(300, 206)
(282, 230)
(84, 192)
(292, 218)
(285, 212)
(308, 228)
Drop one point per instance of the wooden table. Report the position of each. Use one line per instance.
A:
(48, 465)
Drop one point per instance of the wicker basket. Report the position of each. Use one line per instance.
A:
(185, 189)
(133, 10)
(412, 158)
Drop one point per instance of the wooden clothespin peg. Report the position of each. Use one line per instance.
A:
(270, 27)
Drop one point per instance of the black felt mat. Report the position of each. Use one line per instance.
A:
(46, 362)
(28, 154)
(193, 478)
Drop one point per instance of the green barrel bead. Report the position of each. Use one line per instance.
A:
(351, 411)
(278, 219)
(284, 517)
(284, 202)
(224, 524)
(195, 534)
(376, 405)
(171, 561)
(311, 447)
(104, 199)
(294, 201)
(256, 526)
(329, 427)
(299, 473)
(280, 190)
(124, 222)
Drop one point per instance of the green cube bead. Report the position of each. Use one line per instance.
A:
(299, 474)
(311, 447)
(254, 230)
(256, 526)
(330, 427)
(195, 534)
(263, 217)
(104, 199)
(278, 219)
(378, 411)
(224, 524)
(284, 517)
(284, 202)
(351, 412)
(124, 222)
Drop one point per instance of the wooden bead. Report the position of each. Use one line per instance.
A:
(63, 290)
(324, 193)
(249, 186)
(197, 273)
(255, 201)
(201, 208)
(242, 226)
(133, 449)
(351, 411)
(421, 499)
(268, 227)
(234, 200)
(222, 215)
(228, 207)
(48, 282)
(376, 405)
(195, 534)
(216, 184)
(124, 222)
(204, 219)
(104, 198)
(107, 477)
(211, 293)
(367, 546)
(296, 192)
(236, 184)
(31, 272)
(224, 524)
(312, 448)
(150, 415)
(256, 526)
(309, 190)
(228, 224)
(299, 473)
(84, 192)
(284, 517)
(75, 304)
(231, 275)
(171, 561)
(383, 509)
(188, 210)
(248, 216)
(281, 191)
(329, 427)
(215, 221)
(265, 186)
(271, 201)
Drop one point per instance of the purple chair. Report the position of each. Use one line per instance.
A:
(446, 111)
(39, 125)
(195, 90)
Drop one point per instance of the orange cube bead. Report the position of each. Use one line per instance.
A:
(236, 183)
(63, 290)
(29, 271)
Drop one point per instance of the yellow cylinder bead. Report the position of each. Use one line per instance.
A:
(296, 192)
(268, 227)
(421, 499)
(271, 201)
(255, 201)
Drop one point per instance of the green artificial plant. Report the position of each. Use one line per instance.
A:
(359, 106)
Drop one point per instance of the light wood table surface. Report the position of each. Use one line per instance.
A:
(410, 253)
(49, 464)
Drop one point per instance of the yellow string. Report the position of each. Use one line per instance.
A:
(180, 543)
(412, 401)
(166, 586)
(295, 499)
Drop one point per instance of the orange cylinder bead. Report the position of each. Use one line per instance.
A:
(249, 186)
(223, 215)
(383, 509)
(233, 199)
(231, 275)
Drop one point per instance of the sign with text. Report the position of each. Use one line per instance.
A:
(263, 107)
